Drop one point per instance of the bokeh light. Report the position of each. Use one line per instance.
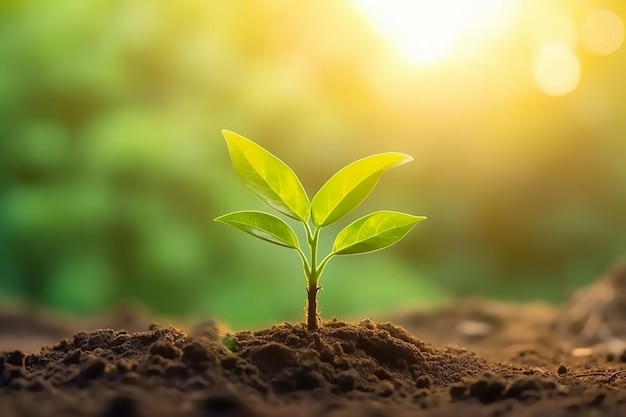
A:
(602, 32)
(556, 68)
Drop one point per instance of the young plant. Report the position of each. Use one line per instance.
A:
(272, 181)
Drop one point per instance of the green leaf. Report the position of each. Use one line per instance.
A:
(267, 177)
(373, 232)
(262, 225)
(345, 190)
(229, 342)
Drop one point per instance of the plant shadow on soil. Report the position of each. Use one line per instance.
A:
(522, 360)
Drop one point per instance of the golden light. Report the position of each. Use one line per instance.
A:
(556, 68)
(425, 32)
(555, 27)
(602, 32)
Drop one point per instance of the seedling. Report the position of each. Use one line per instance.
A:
(272, 181)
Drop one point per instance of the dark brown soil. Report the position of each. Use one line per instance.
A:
(524, 360)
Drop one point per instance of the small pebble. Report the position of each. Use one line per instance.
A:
(424, 381)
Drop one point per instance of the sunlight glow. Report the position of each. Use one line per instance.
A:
(556, 68)
(555, 27)
(602, 32)
(426, 32)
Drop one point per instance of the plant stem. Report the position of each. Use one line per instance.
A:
(312, 276)
(311, 313)
(305, 262)
(313, 272)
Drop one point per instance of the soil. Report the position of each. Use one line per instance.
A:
(471, 358)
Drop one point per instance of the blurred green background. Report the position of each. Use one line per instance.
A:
(113, 165)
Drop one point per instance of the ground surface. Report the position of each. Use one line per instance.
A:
(473, 358)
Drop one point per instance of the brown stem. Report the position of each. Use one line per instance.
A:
(311, 308)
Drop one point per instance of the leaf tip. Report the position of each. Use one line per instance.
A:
(405, 157)
(228, 133)
(419, 219)
(231, 136)
(220, 218)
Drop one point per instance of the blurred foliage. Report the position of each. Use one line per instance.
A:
(112, 164)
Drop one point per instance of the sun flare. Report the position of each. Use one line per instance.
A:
(426, 32)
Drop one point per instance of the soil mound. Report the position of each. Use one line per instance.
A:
(341, 370)
(342, 357)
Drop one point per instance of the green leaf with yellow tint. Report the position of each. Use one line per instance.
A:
(262, 225)
(267, 177)
(345, 190)
(373, 232)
